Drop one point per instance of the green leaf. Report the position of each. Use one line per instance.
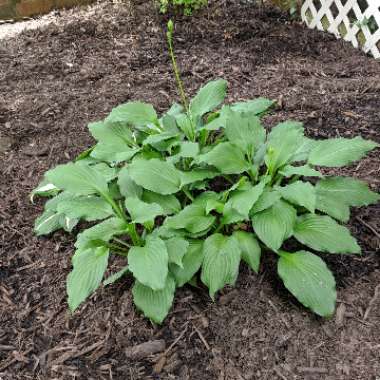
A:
(305, 170)
(219, 121)
(88, 270)
(283, 142)
(149, 264)
(300, 193)
(87, 208)
(136, 113)
(335, 196)
(169, 203)
(208, 97)
(177, 248)
(267, 199)
(142, 212)
(221, 262)
(275, 224)
(324, 234)
(113, 152)
(243, 200)
(44, 189)
(115, 142)
(102, 231)
(155, 304)
(227, 158)
(156, 138)
(246, 133)
(256, 106)
(191, 262)
(188, 149)
(106, 171)
(307, 277)
(78, 179)
(128, 188)
(155, 175)
(339, 151)
(196, 175)
(185, 125)
(250, 249)
(47, 223)
(116, 276)
(193, 218)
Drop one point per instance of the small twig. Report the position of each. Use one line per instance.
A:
(174, 343)
(368, 226)
(371, 302)
(202, 338)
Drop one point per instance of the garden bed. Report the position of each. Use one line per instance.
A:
(54, 81)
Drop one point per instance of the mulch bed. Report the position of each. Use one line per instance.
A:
(54, 81)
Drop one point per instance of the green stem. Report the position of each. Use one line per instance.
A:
(122, 242)
(176, 70)
(134, 235)
(188, 194)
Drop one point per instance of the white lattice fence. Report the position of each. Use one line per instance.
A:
(357, 21)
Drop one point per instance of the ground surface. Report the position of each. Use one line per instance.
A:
(54, 81)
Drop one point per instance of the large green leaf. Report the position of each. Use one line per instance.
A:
(324, 234)
(340, 151)
(299, 193)
(191, 262)
(275, 224)
(128, 187)
(247, 133)
(240, 203)
(155, 304)
(177, 248)
(267, 199)
(88, 270)
(102, 231)
(243, 200)
(307, 277)
(335, 196)
(155, 175)
(305, 170)
(142, 212)
(149, 264)
(227, 158)
(136, 113)
(88, 208)
(282, 143)
(78, 179)
(169, 203)
(115, 142)
(197, 175)
(192, 218)
(253, 107)
(208, 97)
(250, 249)
(221, 262)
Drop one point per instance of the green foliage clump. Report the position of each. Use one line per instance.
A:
(188, 6)
(157, 189)
(193, 192)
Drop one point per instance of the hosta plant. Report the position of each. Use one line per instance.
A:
(190, 194)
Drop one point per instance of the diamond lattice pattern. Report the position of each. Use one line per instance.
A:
(357, 21)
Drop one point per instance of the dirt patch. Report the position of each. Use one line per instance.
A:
(54, 81)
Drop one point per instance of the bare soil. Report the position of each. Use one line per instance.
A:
(55, 80)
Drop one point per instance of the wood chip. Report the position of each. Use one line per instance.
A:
(145, 349)
(312, 370)
(340, 313)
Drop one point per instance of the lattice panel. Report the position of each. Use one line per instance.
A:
(357, 21)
